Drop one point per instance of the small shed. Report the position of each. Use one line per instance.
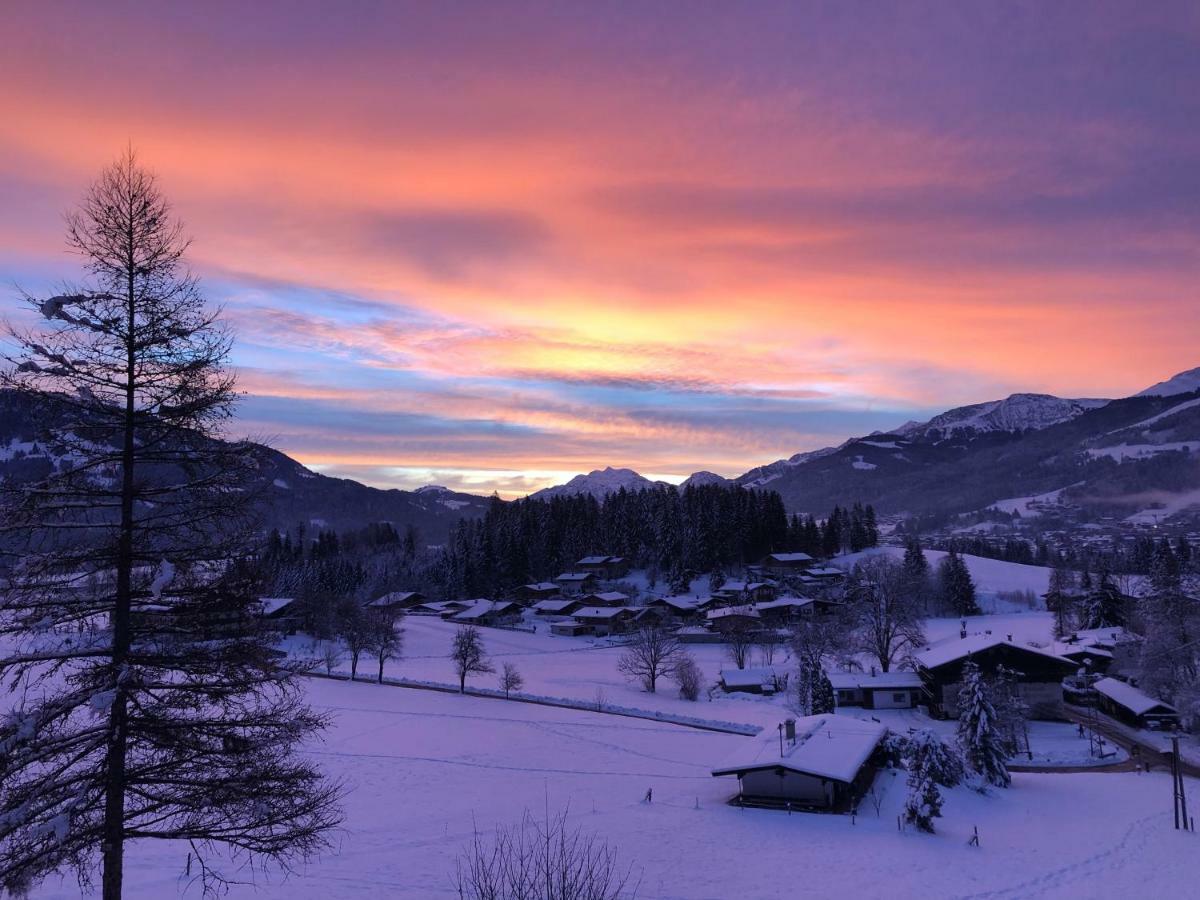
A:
(878, 690)
(828, 764)
(733, 618)
(1127, 704)
(759, 680)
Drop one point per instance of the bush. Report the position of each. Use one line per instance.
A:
(688, 676)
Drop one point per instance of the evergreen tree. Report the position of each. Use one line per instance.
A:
(1060, 599)
(148, 704)
(979, 742)
(916, 577)
(956, 587)
(1104, 606)
(823, 699)
(929, 763)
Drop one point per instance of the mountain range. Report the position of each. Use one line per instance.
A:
(1110, 454)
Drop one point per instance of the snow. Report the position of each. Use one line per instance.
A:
(1026, 507)
(882, 445)
(1138, 451)
(1178, 408)
(859, 463)
(991, 576)
(1128, 696)
(829, 746)
(1183, 383)
(425, 770)
(281, 484)
(455, 504)
(879, 681)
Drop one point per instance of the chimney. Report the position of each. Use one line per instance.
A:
(872, 671)
(1010, 637)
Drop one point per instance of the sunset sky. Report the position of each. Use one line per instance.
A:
(491, 245)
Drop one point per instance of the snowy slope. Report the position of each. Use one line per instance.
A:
(991, 576)
(1183, 383)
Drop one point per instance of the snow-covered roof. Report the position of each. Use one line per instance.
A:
(784, 603)
(960, 648)
(826, 572)
(553, 605)
(270, 605)
(611, 596)
(575, 576)
(541, 586)
(600, 612)
(863, 681)
(681, 602)
(394, 598)
(727, 611)
(1129, 696)
(753, 677)
(1107, 637)
(594, 560)
(739, 586)
(479, 608)
(828, 746)
(790, 557)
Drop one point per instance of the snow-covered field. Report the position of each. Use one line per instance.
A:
(991, 576)
(423, 769)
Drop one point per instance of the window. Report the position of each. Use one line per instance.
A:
(899, 698)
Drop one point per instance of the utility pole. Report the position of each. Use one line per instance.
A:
(1180, 795)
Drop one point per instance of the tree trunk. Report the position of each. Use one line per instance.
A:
(381, 670)
(353, 664)
(113, 846)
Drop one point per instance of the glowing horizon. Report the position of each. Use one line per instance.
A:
(502, 248)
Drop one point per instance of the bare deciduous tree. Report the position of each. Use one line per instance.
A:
(545, 860)
(148, 703)
(510, 679)
(651, 654)
(740, 637)
(887, 616)
(387, 637)
(468, 655)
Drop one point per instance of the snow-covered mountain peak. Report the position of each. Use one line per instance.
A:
(432, 489)
(599, 483)
(1015, 413)
(698, 479)
(1183, 383)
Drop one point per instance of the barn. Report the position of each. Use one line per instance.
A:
(1039, 673)
(760, 680)
(1127, 704)
(824, 762)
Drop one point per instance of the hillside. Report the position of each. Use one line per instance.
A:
(1108, 452)
(293, 494)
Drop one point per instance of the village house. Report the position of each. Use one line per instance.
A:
(1039, 674)
(572, 584)
(605, 598)
(606, 568)
(746, 591)
(1127, 704)
(532, 593)
(284, 612)
(605, 620)
(878, 690)
(683, 608)
(555, 607)
(823, 762)
(786, 563)
(733, 618)
(789, 609)
(397, 601)
(491, 613)
(437, 608)
(758, 680)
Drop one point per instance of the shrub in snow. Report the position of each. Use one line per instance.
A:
(546, 860)
(822, 694)
(981, 744)
(923, 803)
(688, 676)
